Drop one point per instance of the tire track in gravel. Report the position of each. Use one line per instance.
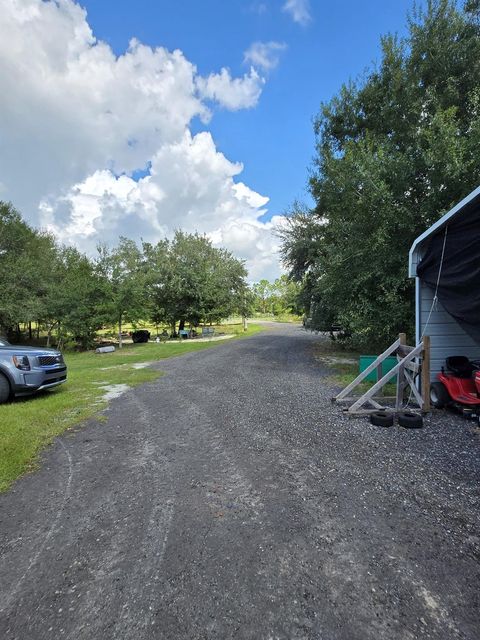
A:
(347, 564)
(228, 499)
(92, 584)
(8, 598)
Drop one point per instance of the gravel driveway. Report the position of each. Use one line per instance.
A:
(230, 499)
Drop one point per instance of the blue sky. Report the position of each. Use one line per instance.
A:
(274, 140)
(216, 98)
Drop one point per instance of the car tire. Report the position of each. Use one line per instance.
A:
(439, 397)
(5, 391)
(410, 420)
(381, 419)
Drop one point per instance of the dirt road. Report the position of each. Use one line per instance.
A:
(229, 499)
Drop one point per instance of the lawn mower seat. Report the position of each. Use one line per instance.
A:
(460, 366)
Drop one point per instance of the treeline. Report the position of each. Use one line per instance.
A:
(70, 296)
(394, 151)
(277, 298)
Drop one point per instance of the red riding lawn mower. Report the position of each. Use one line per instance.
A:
(458, 387)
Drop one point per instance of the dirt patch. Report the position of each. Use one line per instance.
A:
(113, 391)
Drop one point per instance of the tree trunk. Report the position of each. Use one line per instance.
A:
(181, 326)
(120, 343)
(30, 330)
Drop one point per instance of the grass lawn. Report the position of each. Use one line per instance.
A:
(283, 317)
(29, 424)
(345, 366)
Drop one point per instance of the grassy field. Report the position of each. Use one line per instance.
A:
(284, 317)
(29, 424)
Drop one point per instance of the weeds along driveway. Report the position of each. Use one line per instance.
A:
(230, 499)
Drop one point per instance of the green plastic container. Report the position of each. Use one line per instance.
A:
(387, 365)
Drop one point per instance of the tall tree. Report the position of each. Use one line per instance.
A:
(25, 259)
(394, 152)
(123, 273)
(191, 281)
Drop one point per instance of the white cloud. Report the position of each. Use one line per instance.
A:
(190, 186)
(265, 55)
(232, 93)
(299, 10)
(82, 120)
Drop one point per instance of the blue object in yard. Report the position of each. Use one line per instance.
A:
(387, 365)
(183, 333)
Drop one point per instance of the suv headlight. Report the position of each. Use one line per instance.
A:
(21, 362)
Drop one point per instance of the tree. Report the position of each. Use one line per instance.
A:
(25, 255)
(262, 291)
(191, 281)
(123, 273)
(394, 152)
(73, 298)
(281, 296)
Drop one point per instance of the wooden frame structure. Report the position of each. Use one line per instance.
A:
(411, 361)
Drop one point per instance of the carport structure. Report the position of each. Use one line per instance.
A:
(445, 262)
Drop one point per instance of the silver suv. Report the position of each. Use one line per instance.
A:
(24, 370)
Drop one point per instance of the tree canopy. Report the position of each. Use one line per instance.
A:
(70, 295)
(394, 151)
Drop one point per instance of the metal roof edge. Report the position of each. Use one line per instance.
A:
(437, 225)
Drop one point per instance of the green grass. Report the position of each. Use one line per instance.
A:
(29, 424)
(345, 367)
(236, 328)
(282, 317)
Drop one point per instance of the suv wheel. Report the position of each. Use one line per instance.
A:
(4, 389)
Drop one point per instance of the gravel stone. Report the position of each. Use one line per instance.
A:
(231, 499)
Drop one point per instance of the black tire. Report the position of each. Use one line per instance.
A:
(5, 391)
(439, 397)
(140, 336)
(410, 420)
(381, 419)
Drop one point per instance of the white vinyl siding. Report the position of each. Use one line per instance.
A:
(447, 337)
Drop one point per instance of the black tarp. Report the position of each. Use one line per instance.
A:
(459, 286)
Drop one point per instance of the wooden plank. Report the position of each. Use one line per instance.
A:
(366, 412)
(354, 398)
(426, 373)
(366, 396)
(414, 389)
(413, 367)
(401, 376)
(403, 349)
(368, 370)
(379, 371)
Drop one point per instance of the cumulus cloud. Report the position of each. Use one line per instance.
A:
(82, 122)
(265, 55)
(190, 186)
(299, 11)
(232, 93)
